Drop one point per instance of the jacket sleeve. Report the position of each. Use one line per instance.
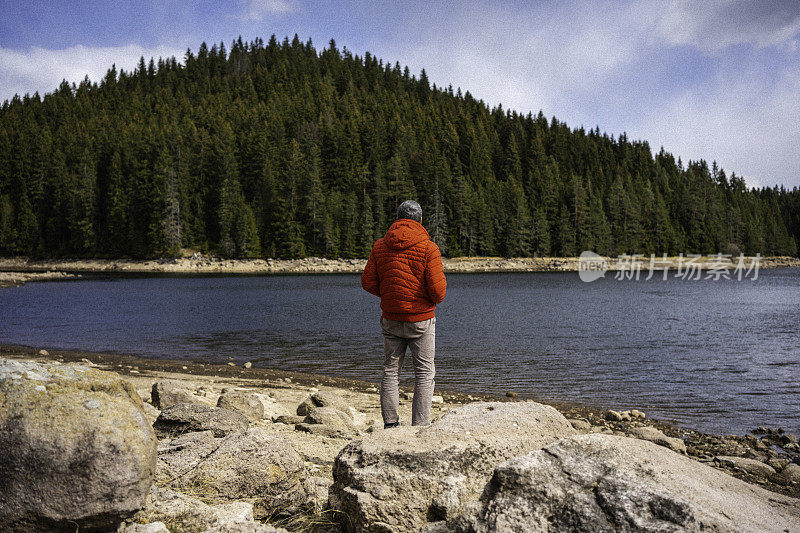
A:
(369, 278)
(435, 282)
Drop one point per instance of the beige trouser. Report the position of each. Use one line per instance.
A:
(421, 338)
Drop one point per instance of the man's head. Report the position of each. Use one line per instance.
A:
(410, 209)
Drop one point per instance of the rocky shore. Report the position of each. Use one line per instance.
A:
(316, 265)
(14, 279)
(121, 443)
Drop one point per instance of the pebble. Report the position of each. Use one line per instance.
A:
(248, 364)
(44, 353)
(231, 364)
(437, 399)
(511, 394)
(185, 367)
(613, 416)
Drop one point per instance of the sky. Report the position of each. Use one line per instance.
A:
(717, 80)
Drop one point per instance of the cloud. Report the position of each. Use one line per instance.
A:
(524, 60)
(256, 10)
(42, 70)
(714, 26)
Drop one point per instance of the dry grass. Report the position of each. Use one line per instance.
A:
(327, 521)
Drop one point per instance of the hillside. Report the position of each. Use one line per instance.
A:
(277, 150)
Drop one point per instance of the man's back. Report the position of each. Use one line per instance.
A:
(405, 270)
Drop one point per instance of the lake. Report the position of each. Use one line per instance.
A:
(718, 356)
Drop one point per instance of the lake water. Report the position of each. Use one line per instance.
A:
(718, 356)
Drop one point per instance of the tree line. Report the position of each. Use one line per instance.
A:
(280, 150)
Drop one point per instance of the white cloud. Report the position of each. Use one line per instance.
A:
(258, 9)
(714, 26)
(42, 70)
(525, 60)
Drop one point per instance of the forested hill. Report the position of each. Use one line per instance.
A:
(278, 150)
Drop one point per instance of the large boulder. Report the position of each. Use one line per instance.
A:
(251, 466)
(402, 478)
(168, 392)
(608, 483)
(184, 417)
(77, 448)
(243, 402)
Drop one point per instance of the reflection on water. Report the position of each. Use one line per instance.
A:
(720, 356)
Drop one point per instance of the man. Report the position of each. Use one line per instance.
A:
(405, 270)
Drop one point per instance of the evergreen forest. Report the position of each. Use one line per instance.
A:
(279, 150)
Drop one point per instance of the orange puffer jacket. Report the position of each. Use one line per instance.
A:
(405, 270)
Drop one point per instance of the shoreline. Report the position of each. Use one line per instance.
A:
(702, 447)
(315, 265)
(15, 279)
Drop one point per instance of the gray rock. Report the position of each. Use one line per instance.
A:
(167, 393)
(401, 479)
(150, 412)
(323, 399)
(324, 430)
(305, 406)
(243, 402)
(246, 527)
(614, 416)
(289, 419)
(321, 487)
(751, 466)
(145, 394)
(606, 483)
(656, 435)
(180, 455)
(152, 527)
(44, 353)
(77, 448)
(251, 466)
(789, 475)
(335, 418)
(778, 463)
(580, 425)
(788, 438)
(635, 413)
(182, 513)
(183, 417)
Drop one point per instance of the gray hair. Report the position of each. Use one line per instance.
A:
(410, 209)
